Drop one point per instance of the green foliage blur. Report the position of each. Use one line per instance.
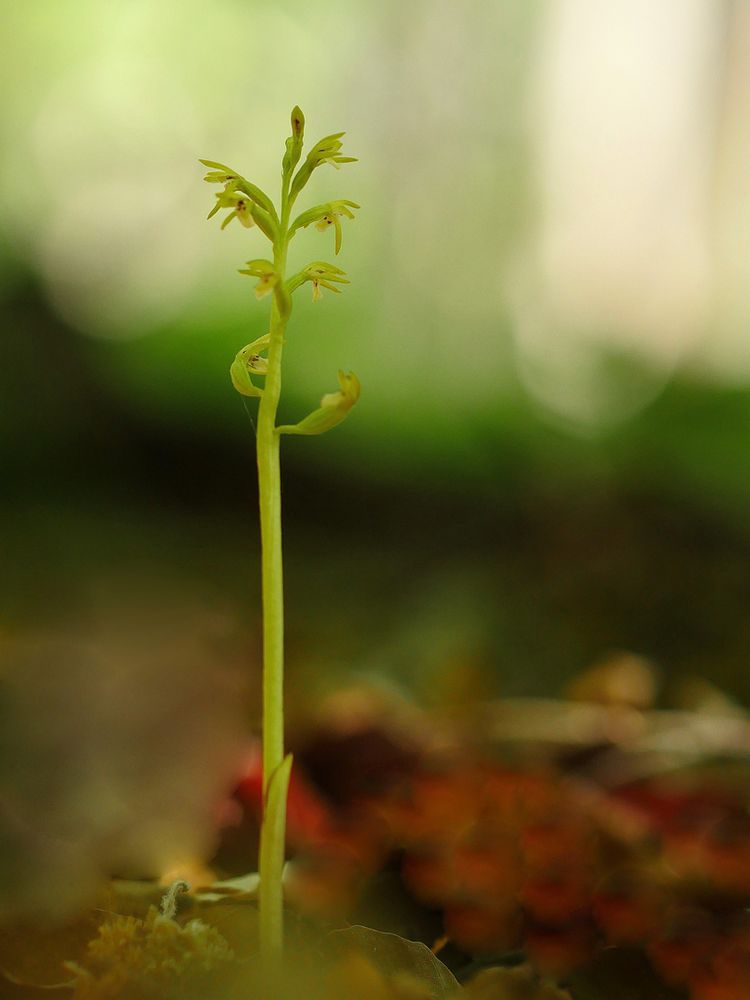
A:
(548, 314)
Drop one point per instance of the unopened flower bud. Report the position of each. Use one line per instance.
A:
(298, 123)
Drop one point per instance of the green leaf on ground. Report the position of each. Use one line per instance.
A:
(395, 956)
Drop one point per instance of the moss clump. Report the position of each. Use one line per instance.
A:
(154, 957)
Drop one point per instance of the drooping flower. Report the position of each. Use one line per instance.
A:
(332, 219)
(334, 407)
(322, 275)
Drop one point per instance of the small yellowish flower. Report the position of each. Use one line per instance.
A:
(328, 150)
(324, 216)
(248, 203)
(249, 362)
(265, 285)
(241, 207)
(322, 275)
(332, 218)
(265, 272)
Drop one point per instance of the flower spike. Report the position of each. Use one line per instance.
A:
(260, 364)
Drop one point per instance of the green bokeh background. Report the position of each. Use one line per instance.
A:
(458, 517)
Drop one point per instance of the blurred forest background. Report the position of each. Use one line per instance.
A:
(549, 314)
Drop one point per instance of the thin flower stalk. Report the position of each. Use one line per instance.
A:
(261, 361)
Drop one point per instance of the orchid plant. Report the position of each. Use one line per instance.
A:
(259, 362)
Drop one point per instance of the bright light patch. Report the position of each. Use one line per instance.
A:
(623, 258)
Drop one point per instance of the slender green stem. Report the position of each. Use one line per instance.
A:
(269, 488)
(249, 204)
